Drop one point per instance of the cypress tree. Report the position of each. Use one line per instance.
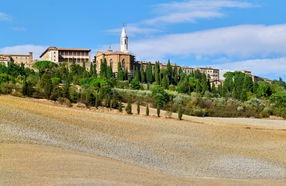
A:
(165, 82)
(94, 70)
(175, 75)
(128, 108)
(120, 72)
(149, 74)
(157, 73)
(158, 110)
(91, 69)
(170, 72)
(109, 72)
(138, 108)
(147, 110)
(142, 74)
(180, 112)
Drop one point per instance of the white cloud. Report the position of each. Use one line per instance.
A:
(4, 17)
(238, 41)
(190, 11)
(24, 49)
(133, 30)
(275, 66)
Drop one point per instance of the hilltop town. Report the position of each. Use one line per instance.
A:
(127, 60)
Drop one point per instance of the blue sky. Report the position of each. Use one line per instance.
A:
(225, 34)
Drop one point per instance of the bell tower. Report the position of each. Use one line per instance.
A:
(124, 41)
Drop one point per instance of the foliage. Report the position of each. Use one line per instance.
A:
(128, 108)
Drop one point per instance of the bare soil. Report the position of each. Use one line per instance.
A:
(46, 144)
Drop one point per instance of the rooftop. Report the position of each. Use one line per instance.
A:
(66, 49)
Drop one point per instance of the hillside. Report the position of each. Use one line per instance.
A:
(48, 144)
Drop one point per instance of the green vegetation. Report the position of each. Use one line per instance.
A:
(191, 94)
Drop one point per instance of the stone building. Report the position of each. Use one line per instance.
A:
(123, 56)
(211, 73)
(60, 55)
(27, 60)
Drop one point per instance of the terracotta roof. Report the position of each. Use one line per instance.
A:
(111, 52)
(14, 55)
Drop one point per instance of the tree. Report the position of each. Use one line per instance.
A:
(157, 73)
(180, 112)
(142, 74)
(204, 84)
(149, 75)
(170, 71)
(109, 72)
(46, 85)
(138, 108)
(103, 68)
(45, 66)
(158, 110)
(183, 86)
(56, 93)
(128, 108)
(94, 70)
(91, 69)
(165, 82)
(263, 90)
(243, 95)
(120, 72)
(160, 95)
(27, 87)
(175, 74)
(147, 110)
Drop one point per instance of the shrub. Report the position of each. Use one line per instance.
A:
(160, 95)
(135, 84)
(120, 106)
(64, 101)
(128, 108)
(279, 99)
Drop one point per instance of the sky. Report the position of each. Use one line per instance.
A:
(223, 34)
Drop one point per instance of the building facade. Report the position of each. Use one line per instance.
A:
(27, 60)
(112, 58)
(211, 73)
(68, 55)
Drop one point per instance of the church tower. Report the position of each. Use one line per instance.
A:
(124, 41)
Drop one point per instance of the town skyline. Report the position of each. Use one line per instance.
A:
(186, 32)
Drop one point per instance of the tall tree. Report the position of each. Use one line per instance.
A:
(91, 69)
(157, 73)
(142, 74)
(175, 75)
(165, 81)
(170, 71)
(103, 68)
(120, 72)
(149, 75)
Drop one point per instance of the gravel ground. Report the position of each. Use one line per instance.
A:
(194, 147)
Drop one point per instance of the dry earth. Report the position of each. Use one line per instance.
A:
(45, 144)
